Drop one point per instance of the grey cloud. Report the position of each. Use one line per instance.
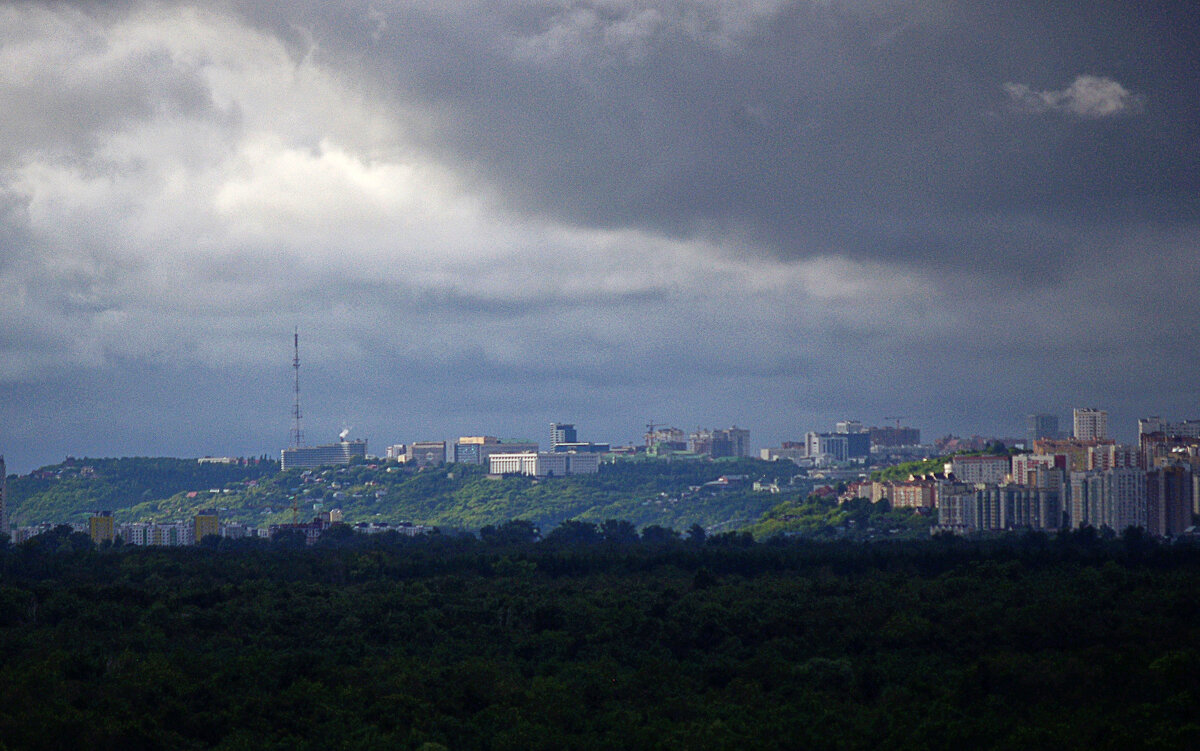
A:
(822, 118)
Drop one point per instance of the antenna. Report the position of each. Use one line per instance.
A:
(297, 433)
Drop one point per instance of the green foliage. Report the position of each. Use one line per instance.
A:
(71, 491)
(648, 492)
(854, 519)
(904, 470)
(1030, 642)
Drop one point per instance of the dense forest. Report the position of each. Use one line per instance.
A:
(595, 639)
(675, 494)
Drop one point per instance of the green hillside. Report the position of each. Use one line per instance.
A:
(76, 488)
(644, 492)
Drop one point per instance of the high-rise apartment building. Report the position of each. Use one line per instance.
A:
(1170, 494)
(1113, 498)
(1091, 424)
(993, 507)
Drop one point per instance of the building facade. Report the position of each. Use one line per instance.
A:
(310, 457)
(977, 469)
(543, 464)
(101, 528)
(914, 493)
(1111, 456)
(426, 453)
(837, 447)
(988, 507)
(1113, 498)
(1090, 423)
(1170, 498)
(562, 432)
(204, 525)
(720, 442)
(1075, 449)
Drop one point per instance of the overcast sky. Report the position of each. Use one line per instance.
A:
(485, 216)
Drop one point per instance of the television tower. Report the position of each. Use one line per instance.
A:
(297, 433)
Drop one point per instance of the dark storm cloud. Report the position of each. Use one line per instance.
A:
(498, 213)
(875, 130)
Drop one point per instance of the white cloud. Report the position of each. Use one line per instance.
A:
(1087, 96)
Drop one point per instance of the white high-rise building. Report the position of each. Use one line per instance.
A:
(1091, 424)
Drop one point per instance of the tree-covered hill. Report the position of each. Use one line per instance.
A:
(76, 488)
(674, 494)
(826, 518)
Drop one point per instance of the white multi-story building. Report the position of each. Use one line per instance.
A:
(791, 453)
(151, 533)
(1090, 423)
(543, 464)
(977, 469)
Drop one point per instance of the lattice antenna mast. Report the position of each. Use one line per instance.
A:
(297, 433)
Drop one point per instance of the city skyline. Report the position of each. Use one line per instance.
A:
(488, 217)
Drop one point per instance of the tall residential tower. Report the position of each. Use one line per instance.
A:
(1091, 424)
